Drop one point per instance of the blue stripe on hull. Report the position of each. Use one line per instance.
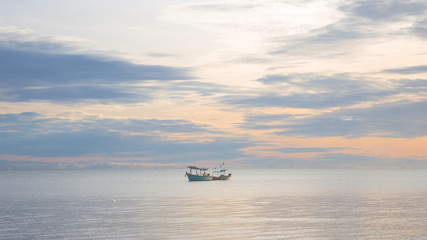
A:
(198, 178)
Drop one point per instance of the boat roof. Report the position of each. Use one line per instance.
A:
(197, 168)
(222, 170)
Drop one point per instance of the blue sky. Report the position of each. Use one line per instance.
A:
(292, 84)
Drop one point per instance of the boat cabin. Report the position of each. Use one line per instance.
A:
(221, 175)
(198, 171)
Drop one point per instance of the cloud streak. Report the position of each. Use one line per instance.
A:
(41, 75)
(34, 69)
(346, 105)
(408, 70)
(313, 91)
(402, 120)
(34, 135)
(392, 10)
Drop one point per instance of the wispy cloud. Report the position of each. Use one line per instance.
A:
(32, 134)
(408, 70)
(344, 105)
(392, 10)
(37, 75)
(420, 28)
(357, 29)
(35, 68)
(313, 91)
(389, 120)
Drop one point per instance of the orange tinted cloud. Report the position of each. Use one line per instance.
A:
(412, 148)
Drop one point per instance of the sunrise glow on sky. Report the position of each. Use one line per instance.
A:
(254, 84)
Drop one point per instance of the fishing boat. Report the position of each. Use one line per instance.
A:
(198, 174)
(221, 175)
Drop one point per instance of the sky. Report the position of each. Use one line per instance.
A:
(253, 84)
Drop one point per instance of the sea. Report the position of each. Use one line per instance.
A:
(254, 204)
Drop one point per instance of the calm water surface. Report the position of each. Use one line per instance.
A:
(255, 204)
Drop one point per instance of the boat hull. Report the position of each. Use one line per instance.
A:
(222, 177)
(192, 178)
